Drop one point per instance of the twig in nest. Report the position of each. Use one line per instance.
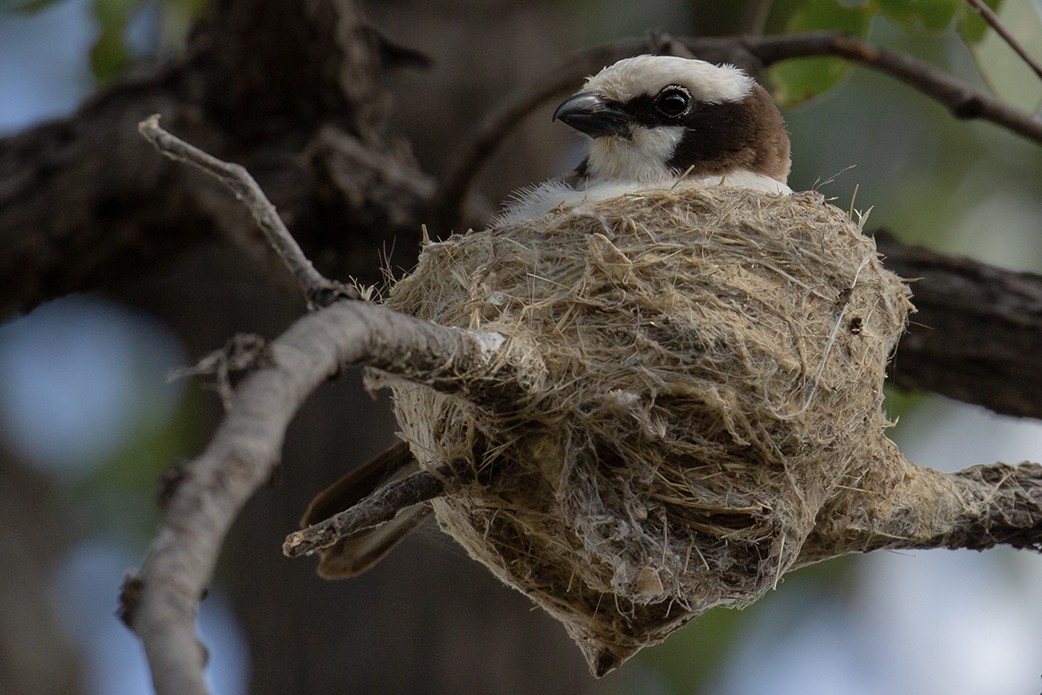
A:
(319, 290)
(380, 507)
(992, 19)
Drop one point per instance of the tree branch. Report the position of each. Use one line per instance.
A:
(1010, 502)
(975, 336)
(160, 602)
(245, 449)
(86, 205)
(319, 290)
(379, 507)
(961, 99)
(976, 508)
(993, 21)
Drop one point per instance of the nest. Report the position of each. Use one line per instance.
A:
(715, 361)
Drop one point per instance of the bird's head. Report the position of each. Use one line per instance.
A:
(655, 118)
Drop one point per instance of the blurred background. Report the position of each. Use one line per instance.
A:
(89, 418)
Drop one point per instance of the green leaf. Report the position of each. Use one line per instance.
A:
(109, 56)
(971, 26)
(798, 80)
(928, 15)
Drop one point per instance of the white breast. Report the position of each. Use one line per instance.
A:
(556, 195)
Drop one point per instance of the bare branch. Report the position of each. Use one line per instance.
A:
(160, 602)
(992, 19)
(245, 449)
(961, 99)
(319, 290)
(976, 508)
(973, 320)
(380, 507)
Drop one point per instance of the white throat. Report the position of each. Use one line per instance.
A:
(641, 158)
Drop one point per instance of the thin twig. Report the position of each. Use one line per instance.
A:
(319, 290)
(960, 98)
(376, 509)
(993, 21)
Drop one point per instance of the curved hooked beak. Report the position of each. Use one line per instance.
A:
(590, 114)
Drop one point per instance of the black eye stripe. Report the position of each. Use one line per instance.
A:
(644, 110)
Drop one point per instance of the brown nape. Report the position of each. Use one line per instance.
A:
(727, 136)
(773, 147)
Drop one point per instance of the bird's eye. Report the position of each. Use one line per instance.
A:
(673, 101)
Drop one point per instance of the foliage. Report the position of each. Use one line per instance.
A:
(798, 80)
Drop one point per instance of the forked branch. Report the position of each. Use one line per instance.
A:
(319, 290)
(243, 452)
(160, 601)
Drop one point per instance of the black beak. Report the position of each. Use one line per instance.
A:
(590, 114)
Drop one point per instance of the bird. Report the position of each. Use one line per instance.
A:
(662, 122)
(654, 122)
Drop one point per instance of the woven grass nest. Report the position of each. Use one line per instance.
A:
(715, 362)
